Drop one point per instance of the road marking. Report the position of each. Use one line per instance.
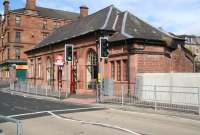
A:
(95, 123)
(64, 110)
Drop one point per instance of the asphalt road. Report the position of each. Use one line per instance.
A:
(13, 105)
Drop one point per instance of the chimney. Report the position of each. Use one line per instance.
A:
(31, 4)
(83, 11)
(6, 6)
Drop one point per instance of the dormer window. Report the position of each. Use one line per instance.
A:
(188, 40)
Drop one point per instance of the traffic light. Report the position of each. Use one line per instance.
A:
(104, 48)
(68, 52)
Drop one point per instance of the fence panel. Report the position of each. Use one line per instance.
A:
(41, 90)
(184, 99)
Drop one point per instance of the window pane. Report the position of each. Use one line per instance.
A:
(113, 70)
(17, 52)
(118, 71)
(18, 20)
(18, 37)
(125, 72)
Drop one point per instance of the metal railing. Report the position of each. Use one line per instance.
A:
(17, 122)
(173, 98)
(40, 90)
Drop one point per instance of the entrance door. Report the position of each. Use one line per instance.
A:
(21, 74)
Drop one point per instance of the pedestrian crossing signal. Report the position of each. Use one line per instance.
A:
(104, 48)
(68, 52)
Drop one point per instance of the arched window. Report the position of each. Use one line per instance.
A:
(92, 65)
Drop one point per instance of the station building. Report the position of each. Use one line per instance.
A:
(134, 47)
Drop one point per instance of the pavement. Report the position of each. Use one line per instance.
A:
(105, 122)
(41, 115)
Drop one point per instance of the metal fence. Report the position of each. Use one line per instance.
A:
(174, 98)
(18, 123)
(40, 90)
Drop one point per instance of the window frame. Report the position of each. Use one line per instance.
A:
(18, 21)
(112, 70)
(17, 53)
(119, 73)
(18, 36)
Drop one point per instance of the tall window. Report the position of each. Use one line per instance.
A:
(92, 64)
(125, 70)
(118, 70)
(39, 68)
(17, 53)
(31, 72)
(18, 21)
(113, 70)
(18, 36)
(49, 71)
(44, 24)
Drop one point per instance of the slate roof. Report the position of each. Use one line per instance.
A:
(195, 39)
(52, 13)
(124, 24)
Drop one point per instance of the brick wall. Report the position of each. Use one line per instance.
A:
(31, 29)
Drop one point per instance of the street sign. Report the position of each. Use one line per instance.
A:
(59, 60)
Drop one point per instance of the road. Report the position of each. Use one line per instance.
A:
(98, 122)
(13, 105)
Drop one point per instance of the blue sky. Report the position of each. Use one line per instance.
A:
(177, 16)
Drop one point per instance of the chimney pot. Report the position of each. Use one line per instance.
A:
(83, 11)
(31, 4)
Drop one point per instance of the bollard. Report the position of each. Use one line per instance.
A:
(155, 98)
(19, 128)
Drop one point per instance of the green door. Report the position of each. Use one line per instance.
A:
(21, 75)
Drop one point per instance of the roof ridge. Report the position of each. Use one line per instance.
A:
(57, 9)
(108, 17)
(124, 25)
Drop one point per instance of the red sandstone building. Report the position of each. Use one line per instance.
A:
(134, 47)
(23, 28)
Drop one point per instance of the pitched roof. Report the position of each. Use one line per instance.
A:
(124, 24)
(52, 13)
(194, 40)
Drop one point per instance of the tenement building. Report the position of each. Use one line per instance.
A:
(192, 43)
(134, 47)
(23, 28)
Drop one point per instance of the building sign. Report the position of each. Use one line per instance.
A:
(21, 67)
(59, 60)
